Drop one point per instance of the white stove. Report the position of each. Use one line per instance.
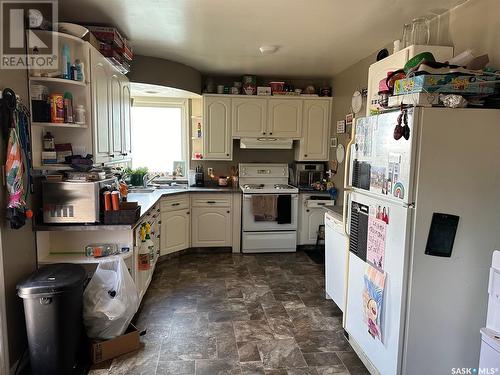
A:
(269, 209)
(269, 189)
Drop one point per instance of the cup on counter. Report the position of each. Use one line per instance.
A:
(235, 90)
(220, 89)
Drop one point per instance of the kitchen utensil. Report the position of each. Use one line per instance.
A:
(420, 32)
(356, 101)
(222, 181)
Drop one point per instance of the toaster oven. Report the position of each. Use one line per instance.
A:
(72, 202)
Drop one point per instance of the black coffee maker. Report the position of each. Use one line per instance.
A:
(199, 177)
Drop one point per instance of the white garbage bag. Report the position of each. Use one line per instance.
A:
(110, 300)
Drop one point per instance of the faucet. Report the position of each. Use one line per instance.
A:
(146, 180)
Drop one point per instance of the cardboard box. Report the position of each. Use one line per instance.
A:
(445, 83)
(89, 37)
(107, 34)
(263, 91)
(128, 342)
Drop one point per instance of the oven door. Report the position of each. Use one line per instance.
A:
(252, 225)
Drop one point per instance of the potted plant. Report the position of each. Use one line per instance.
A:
(136, 175)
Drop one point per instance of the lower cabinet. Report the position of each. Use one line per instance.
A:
(211, 226)
(175, 230)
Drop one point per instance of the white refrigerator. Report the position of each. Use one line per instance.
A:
(424, 212)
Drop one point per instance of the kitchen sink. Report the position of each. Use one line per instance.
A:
(142, 190)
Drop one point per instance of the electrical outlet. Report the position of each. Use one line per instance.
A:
(210, 171)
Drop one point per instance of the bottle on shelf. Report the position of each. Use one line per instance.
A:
(68, 108)
(66, 62)
(80, 114)
(198, 131)
(149, 243)
(80, 73)
(143, 262)
(48, 142)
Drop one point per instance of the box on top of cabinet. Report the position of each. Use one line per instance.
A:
(445, 83)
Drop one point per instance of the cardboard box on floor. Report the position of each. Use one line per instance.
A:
(128, 342)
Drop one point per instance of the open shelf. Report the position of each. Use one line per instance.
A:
(59, 125)
(79, 258)
(52, 167)
(58, 81)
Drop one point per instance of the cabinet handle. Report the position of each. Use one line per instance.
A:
(175, 204)
(187, 213)
(158, 210)
(263, 133)
(305, 155)
(227, 154)
(271, 133)
(228, 212)
(155, 216)
(307, 210)
(159, 221)
(320, 204)
(112, 155)
(211, 202)
(123, 153)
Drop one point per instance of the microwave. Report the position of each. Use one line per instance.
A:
(306, 174)
(72, 202)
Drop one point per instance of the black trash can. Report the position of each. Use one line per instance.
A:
(53, 298)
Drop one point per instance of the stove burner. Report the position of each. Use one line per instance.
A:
(253, 186)
(282, 186)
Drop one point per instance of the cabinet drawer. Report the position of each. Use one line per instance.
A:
(211, 200)
(174, 203)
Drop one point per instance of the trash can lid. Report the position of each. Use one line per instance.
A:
(52, 279)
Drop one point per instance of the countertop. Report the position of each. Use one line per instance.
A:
(336, 211)
(145, 200)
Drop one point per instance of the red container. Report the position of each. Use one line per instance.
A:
(57, 108)
(276, 86)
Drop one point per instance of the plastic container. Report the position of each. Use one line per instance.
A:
(276, 86)
(98, 250)
(80, 114)
(52, 299)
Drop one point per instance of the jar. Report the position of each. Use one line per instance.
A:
(80, 115)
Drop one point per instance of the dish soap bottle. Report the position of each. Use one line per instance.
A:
(143, 256)
(48, 142)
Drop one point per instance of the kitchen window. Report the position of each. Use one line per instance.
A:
(159, 134)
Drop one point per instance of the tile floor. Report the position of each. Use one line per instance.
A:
(209, 314)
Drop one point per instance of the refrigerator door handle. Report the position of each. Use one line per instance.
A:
(345, 212)
(347, 184)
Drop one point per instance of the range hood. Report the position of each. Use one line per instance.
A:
(266, 143)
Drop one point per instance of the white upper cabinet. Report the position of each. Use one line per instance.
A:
(314, 145)
(217, 139)
(285, 118)
(249, 117)
(126, 116)
(116, 115)
(100, 106)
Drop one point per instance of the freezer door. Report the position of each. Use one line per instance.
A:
(391, 222)
(381, 164)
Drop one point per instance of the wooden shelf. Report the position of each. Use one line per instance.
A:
(58, 81)
(79, 258)
(52, 167)
(59, 125)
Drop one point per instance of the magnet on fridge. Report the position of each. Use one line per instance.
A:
(399, 190)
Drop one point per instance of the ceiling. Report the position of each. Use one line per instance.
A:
(317, 38)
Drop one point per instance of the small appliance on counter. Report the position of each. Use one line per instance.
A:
(306, 174)
(72, 202)
(199, 177)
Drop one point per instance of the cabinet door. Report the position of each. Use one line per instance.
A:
(116, 115)
(285, 118)
(311, 220)
(126, 124)
(100, 107)
(314, 144)
(211, 226)
(249, 117)
(217, 141)
(175, 232)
